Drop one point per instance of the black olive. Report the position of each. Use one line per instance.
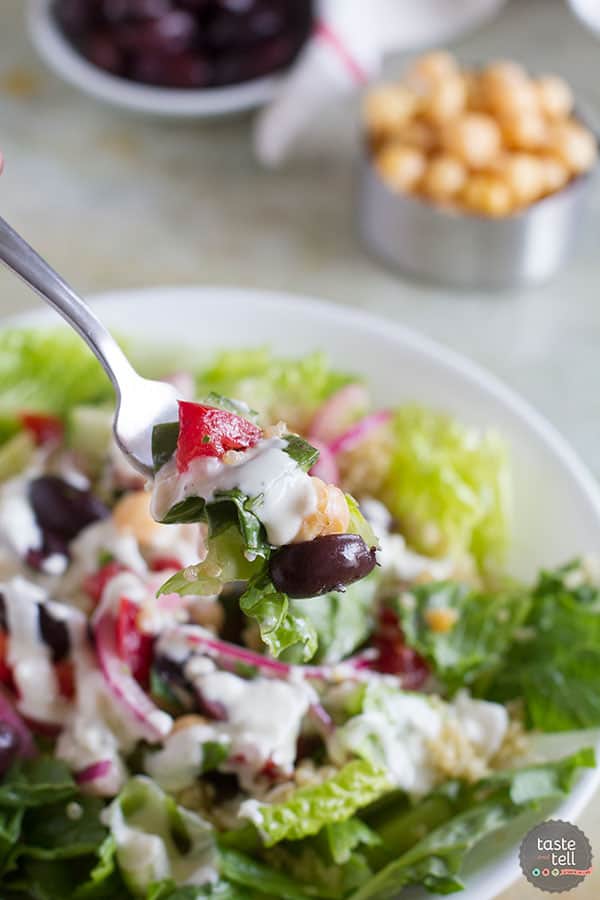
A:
(327, 563)
(55, 633)
(62, 510)
(9, 746)
(3, 618)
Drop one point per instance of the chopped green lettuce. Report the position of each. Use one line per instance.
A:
(280, 389)
(309, 809)
(342, 620)
(48, 371)
(444, 826)
(511, 645)
(281, 625)
(553, 663)
(449, 486)
(158, 840)
(477, 640)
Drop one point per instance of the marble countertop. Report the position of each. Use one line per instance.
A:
(116, 201)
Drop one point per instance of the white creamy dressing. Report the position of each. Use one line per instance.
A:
(145, 849)
(96, 729)
(103, 537)
(18, 527)
(264, 715)
(265, 471)
(179, 762)
(399, 730)
(28, 656)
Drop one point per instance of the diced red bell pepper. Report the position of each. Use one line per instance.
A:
(394, 656)
(65, 676)
(43, 427)
(5, 672)
(164, 563)
(95, 583)
(134, 648)
(206, 431)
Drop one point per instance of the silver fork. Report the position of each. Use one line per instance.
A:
(141, 403)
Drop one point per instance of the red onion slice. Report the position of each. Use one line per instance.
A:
(357, 433)
(333, 417)
(325, 467)
(154, 724)
(94, 772)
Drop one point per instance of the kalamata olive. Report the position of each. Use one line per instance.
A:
(9, 746)
(3, 617)
(171, 33)
(75, 17)
(62, 510)
(327, 563)
(55, 633)
(116, 11)
(181, 70)
(52, 545)
(101, 50)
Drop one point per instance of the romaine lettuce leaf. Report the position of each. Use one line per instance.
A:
(449, 486)
(36, 782)
(226, 562)
(280, 389)
(481, 629)
(343, 621)
(309, 809)
(261, 880)
(220, 890)
(434, 836)
(281, 626)
(47, 371)
(553, 663)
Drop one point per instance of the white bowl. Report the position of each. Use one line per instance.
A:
(589, 13)
(557, 504)
(66, 61)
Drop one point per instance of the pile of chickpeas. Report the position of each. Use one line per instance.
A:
(490, 141)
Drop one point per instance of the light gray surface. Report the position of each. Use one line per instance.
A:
(114, 201)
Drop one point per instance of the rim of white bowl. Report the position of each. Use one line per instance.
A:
(495, 877)
(68, 63)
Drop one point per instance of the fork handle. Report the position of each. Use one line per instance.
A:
(19, 256)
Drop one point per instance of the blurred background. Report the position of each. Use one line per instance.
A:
(118, 199)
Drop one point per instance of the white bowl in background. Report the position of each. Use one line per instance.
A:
(59, 54)
(557, 501)
(588, 11)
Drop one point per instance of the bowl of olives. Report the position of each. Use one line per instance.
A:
(474, 177)
(178, 58)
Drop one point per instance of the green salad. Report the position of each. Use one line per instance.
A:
(291, 667)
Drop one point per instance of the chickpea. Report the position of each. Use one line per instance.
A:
(401, 167)
(332, 515)
(554, 96)
(474, 138)
(574, 145)
(524, 174)
(420, 134)
(446, 100)
(430, 69)
(132, 514)
(524, 131)
(475, 94)
(487, 195)
(387, 109)
(444, 178)
(554, 173)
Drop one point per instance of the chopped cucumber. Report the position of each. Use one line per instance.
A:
(89, 431)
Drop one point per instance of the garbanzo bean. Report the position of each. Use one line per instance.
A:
(491, 141)
(444, 178)
(401, 167)
(474, 138)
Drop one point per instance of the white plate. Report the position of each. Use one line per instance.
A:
(557, 507)
(59, 54)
